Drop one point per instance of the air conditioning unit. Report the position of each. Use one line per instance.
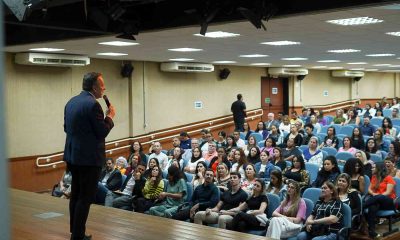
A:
(186, 67)
(48, 59)
(287, 71)
(347, 73)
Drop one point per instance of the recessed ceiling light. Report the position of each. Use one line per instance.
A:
(112, 54)
(119, 43)
(218, 34)
(223, 62)
(392, 70)
(316, 67)
(380, 55)
(344, 51)
(181, 59)
(357, 63)
(381, 65)
(397, 34)
(355, 21)
(253, 55)
(333, 68)
(281, 43)
(357, 69)
(328, 61)
(291, 65)
(260, 64)
(394, 66)
(371, 69)
(294, 59)
(47, 49)
(185, 49)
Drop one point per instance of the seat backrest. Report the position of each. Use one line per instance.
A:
(312, 169)
(329, 119)
(260, 144)
(376, 121)
(375, 157)
(330, 150)
(273, 203)
(337, 127)
(346, 216)
(189, 193)
(257, 136)
(124, 178)
(309, 205)
(189, 177)
(387, 112)
(165, 184)
(303, 147)
(397, 187)
(312, 193)
(343, 156)
(367, 183)
(242, 135)
(288, 163)
(324, 129)
(347, 130)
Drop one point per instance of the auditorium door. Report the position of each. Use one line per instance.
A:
(274, 96)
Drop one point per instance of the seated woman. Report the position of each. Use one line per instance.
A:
(249, 212)
(269, 145)
(378, 136)
(367, 163)
(121, 164)
(63, 188)
(262, 129)
(265, 167)
(275, 134)
(348, 195)
(297, 172)
(391, 168)
(387, 127)
(372, 147)
(347, 146)
(357, 140)
(288, 218)
(284, 127)
(196, 158)
(290, 151)
(295, 136)
(394, 152)
(173, 197)
(352, 117)
(276, 185)
(354, 167)
(320, 116)
(198, 178)
(254, 155)
(247, 130)
(312, 154)
(137, 150)
(251, 143)
(222, 180)
(328, 172)
(382, 194)
(315, 123)
(326, 218)
(240, 162)
(220, 158)
(330, 140)
(278, 159)
(153, 187)
(221, 141)
(249, 179)
(339, 119)
(230, 143)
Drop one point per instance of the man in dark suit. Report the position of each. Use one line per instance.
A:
(238, 109)
(110, 180)
(84, 152)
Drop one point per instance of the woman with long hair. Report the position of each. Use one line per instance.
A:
(220, 158)
(330, 140)
(339, 118)
(221, 141)
(387, 127)
(353, 117)
(372, 147)
(255, 206)
(246, 130)
(153, 187)
(381, 144)
(394, 152)
(269, 145)
(196, 158)
(136, 149)
(381, 195)
(357, 139)
(251, 143)
(262, 129)
(276, 185)
(295, 135)
(326, 218)
(347, 194)
(274, 133)
(222, 180)
(254, 155)
(328, 172)
(198, 178)
(320, 117)
(297, 172)
(240, 162)
(367, 163)
(230, 143)
(249, 179)
(288, 218)
(152, 162)
(354, 167)
(278, 159)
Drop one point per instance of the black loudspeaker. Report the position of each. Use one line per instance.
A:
(224, 73)
(357, 79)
(301, 77)
(126, 70)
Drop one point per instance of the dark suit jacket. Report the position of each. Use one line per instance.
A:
(114, 182)
(86, 130)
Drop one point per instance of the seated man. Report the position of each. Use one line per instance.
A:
(222, 213)
(110, 180)
(239, 142)
(157, 153)
(185, 140)
(204, 196)
(175, 143)
(131, 188)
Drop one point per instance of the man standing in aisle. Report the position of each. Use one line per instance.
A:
(86, 129)
(238, 109)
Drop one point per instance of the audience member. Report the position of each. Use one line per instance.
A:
(265, 167)
(357, 140)
(262, 129)
(354, 167)
(367, 129)
(222, 180)
(330, 140)
(276, 185)
(278, 159)
(254, 155)
(328, 173)
(347, 194)
(297, 172)
(312, 154)
(186, 142)
(249, 179)
(161, 157)
(198, 178)
(154, 185)
(110, 180)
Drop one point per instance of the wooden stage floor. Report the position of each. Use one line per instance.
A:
(103, 223)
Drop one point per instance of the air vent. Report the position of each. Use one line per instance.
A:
(60, 60)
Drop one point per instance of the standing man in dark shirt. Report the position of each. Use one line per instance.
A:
(238, 109)
(86, 129)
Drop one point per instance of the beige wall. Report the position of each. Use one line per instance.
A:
(36, 96)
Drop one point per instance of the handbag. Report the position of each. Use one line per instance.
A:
(319, 230)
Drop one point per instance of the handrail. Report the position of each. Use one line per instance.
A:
(333, 104)
(152, 136)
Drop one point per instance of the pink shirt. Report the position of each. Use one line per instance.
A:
(301, 213)
(350, 150)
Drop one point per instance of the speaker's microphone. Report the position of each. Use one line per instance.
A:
(107, 101)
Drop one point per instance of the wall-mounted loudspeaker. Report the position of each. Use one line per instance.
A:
(126, 70)
(224, 73)
(357, 79)
(300, 77)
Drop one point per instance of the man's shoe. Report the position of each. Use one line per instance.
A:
(87, 237)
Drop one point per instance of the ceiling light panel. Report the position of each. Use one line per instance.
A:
(355, 21)
(281, 43)
(380, 55)
(47, 49)
(181, 59)
(294, 59)
(260, 64)
(224, 62)
(318, 67)
(344, 50)
(218, 34)
(328, 61)
(371, 69)
(113, 54)
(357, 63)
(381, 65)
(253, 55)
(185, 49)
(119, 43)
(333, 68)
(397, 34)
(291, 65)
